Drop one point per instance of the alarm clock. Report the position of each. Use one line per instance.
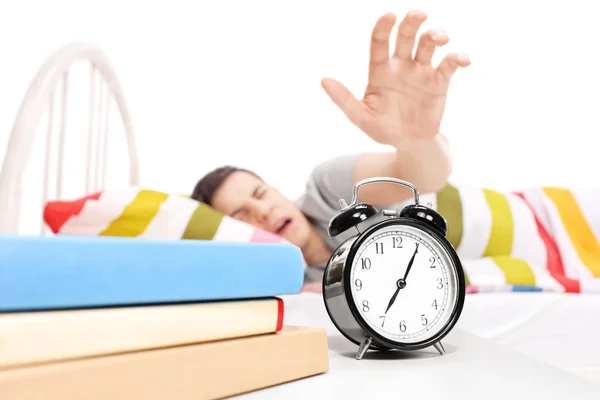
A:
(397, 284)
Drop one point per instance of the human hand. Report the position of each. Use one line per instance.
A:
(405, 96)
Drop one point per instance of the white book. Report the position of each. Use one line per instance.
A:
(48, 336)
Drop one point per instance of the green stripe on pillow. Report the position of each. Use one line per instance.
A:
(203, 224)
(137, 215)
(450, 206)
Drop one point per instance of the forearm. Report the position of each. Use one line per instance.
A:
(424, 163)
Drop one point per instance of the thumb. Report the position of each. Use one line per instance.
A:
(345, 100)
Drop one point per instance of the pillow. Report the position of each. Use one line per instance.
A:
(143, 213)
(502, 243)
(503, 239)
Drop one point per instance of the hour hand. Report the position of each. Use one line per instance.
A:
(401, 284)
(393, 299)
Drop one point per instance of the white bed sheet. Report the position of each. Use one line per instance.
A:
(560, 329)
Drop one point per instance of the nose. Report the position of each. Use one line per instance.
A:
(261, 210)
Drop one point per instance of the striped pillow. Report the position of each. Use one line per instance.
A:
(571, 217)
(141, 213)
(501, 240)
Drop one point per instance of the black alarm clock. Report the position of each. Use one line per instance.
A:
(398, 284)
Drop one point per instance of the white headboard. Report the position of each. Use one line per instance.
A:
(40, 100)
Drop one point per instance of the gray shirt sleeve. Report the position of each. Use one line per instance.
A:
(328, 182)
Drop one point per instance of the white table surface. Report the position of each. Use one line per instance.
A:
(472, 368)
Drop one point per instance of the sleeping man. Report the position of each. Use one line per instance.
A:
(536, 239)
(402, 106)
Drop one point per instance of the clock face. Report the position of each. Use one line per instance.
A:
(404, 284)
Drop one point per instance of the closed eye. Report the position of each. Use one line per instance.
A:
(259, 192)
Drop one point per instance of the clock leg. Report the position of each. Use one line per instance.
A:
(364, 346)
(439, 347)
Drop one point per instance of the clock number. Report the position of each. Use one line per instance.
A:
(365, 306)
(402, 326)
(432, 261)
(434, 304)
(423, 320)
(358, 284)
(440, 284)
(397, 243)
(366, 263)
(382, 318)
(379, 248)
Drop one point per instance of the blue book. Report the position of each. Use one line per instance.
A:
(58, 272)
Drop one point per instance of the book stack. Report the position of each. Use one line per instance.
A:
(100, 318)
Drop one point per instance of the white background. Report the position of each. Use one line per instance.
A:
(207, 81)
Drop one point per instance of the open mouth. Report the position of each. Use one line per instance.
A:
(283, 225)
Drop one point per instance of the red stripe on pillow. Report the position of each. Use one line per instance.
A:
(554, 261)
(56, 213)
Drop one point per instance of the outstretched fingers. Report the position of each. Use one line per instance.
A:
(380, 39)
(407, 33)
(427, 43)
(451, 63)
(354, 109)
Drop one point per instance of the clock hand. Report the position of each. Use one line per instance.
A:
(411, 262)
(401, 284)
(393, 299)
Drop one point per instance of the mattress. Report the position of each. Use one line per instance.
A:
(559, 329)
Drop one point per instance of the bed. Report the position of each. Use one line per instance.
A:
(525, 322)
(547, 319)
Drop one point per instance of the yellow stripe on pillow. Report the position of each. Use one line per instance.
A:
(501, 235)
(137, 215)
(579, 231)
(516, 270)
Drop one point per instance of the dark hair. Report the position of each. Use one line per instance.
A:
(209, 183)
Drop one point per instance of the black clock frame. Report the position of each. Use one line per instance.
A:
(380, 342)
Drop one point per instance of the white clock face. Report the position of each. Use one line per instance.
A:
(406, 307)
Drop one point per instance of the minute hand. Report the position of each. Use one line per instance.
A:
(411, 262)
(402, 282)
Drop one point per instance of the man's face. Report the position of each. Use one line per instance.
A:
(247, 198)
